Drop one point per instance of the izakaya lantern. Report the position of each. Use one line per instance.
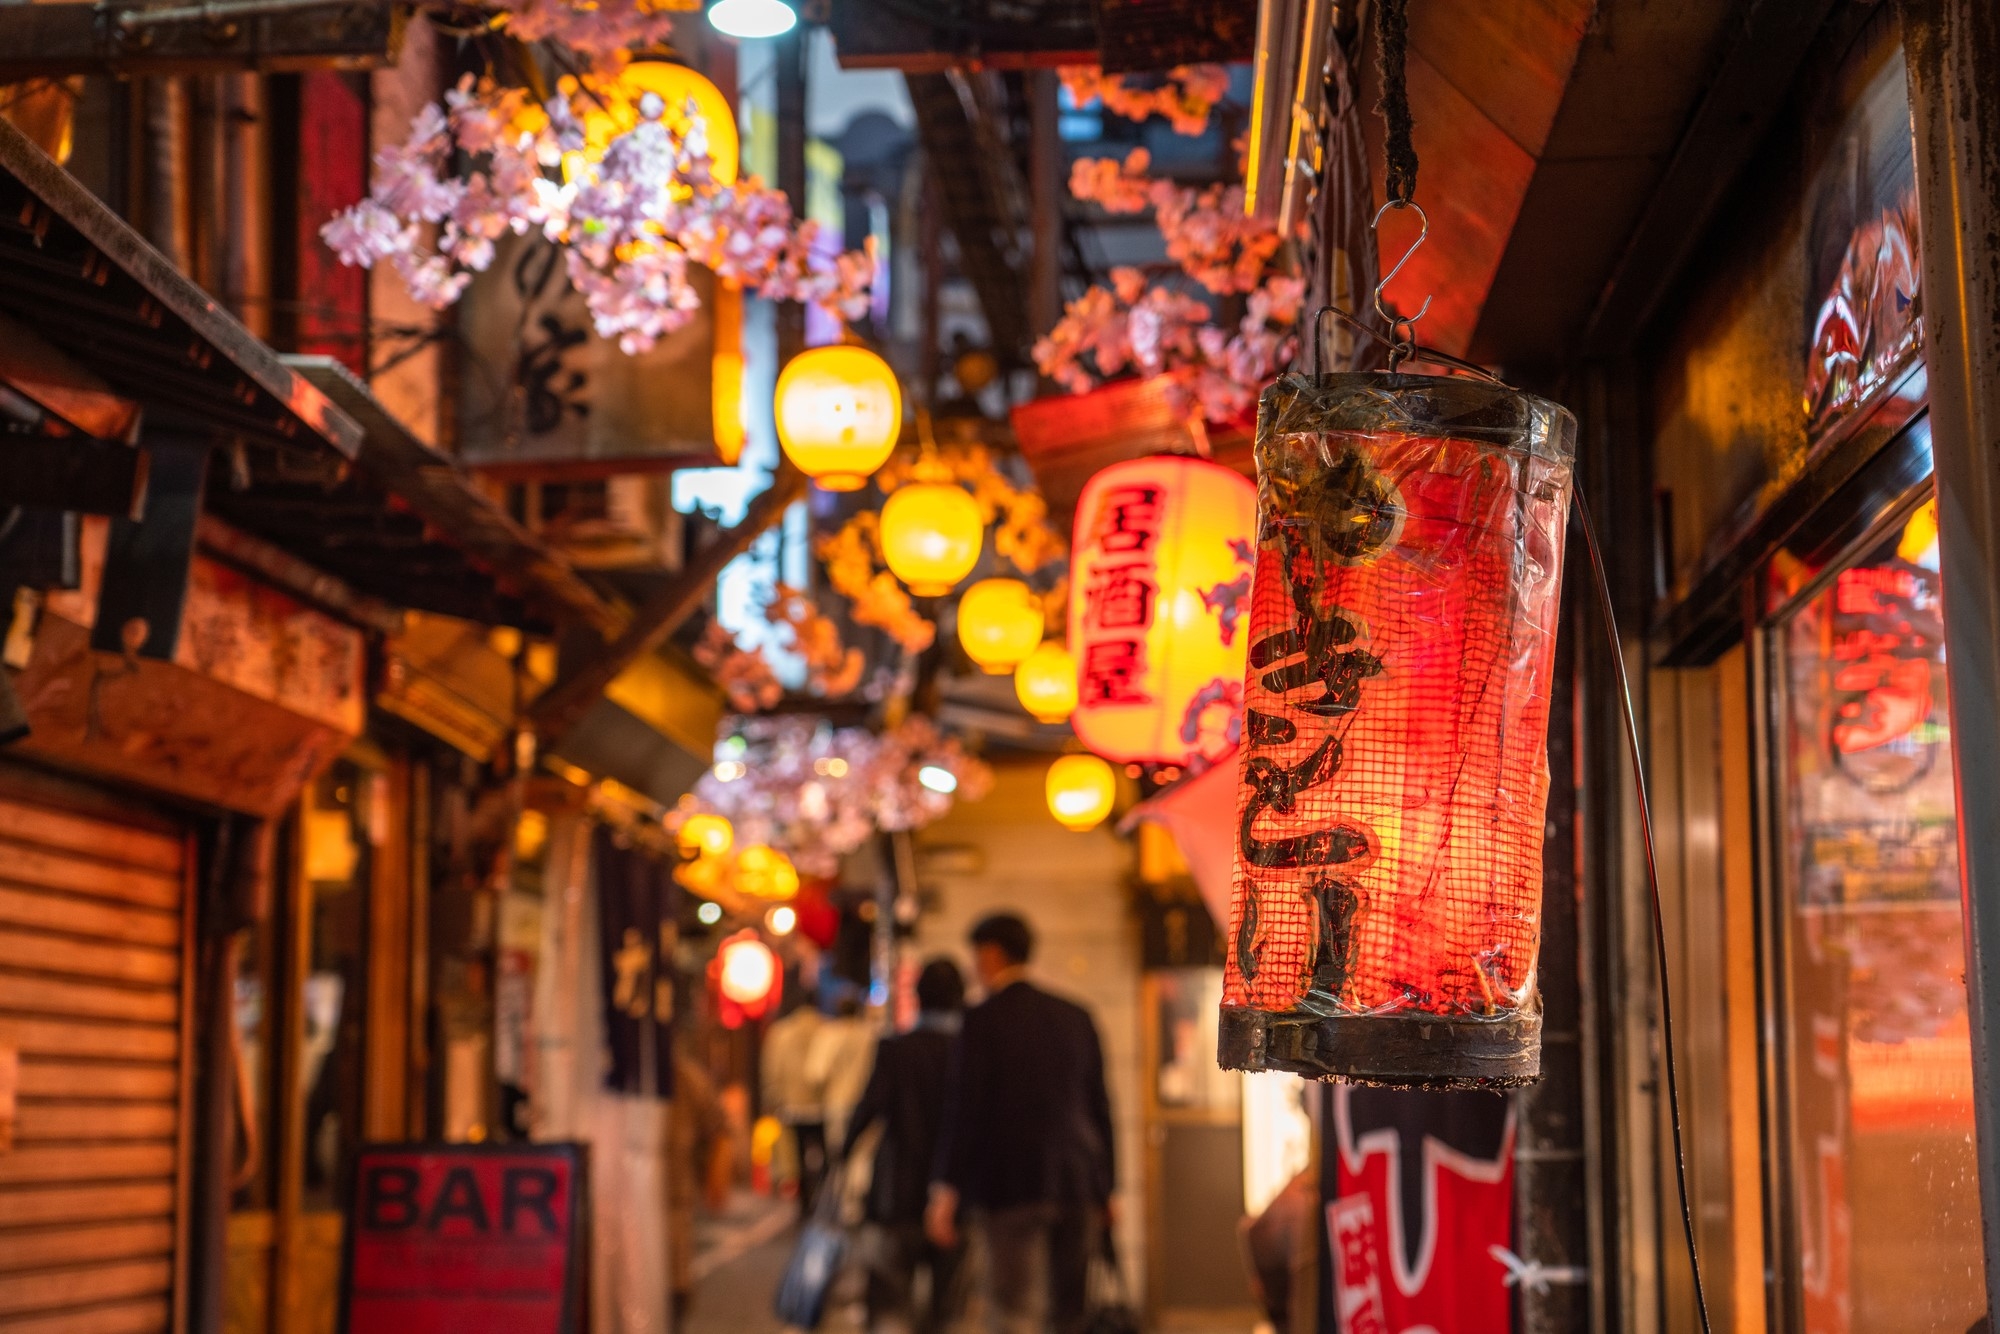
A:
(932, 534)
(706, 835)
(1081, 790)
(1388, 885)
(839, 410)
(1045, 683)
(1159, 577)
(749, 968)
(999, 624)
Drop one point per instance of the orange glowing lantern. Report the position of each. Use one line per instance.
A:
(932, 532)
(1080, 789)
(613, 106)
(1045, 683)
(705, 835)
(839, 411)
(765, 873)
(999, 624)
(748, 969)
(1160, 575)
(1386, 917)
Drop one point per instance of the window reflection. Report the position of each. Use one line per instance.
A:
(1884, 1175)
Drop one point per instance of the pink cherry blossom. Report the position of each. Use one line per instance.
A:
(630, 216)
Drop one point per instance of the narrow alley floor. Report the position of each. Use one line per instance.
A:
(741, 1253)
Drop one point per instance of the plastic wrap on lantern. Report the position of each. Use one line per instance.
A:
(1386, 920)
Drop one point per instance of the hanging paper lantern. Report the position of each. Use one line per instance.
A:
(839, 411)
(705, 835)
(749, 969)
(765, 873)
(1388, 886)
(1159, 578)
(609, 107)
(932, 532)
(999, 623)
(677, 85)
(1045, 683)
(1080, 791)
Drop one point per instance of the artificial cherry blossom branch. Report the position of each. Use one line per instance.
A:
(630, 213)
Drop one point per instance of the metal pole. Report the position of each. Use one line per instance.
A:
(789, 53)
(1045, 190)
(1952, 48)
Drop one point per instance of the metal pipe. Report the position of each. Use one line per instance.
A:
(1045, 191)
(1952, 48)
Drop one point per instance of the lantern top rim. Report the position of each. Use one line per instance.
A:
(1443, 406)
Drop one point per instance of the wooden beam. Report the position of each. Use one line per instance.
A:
(74, 472)
(437, 489)
(235, 547)
(580, 685)
(146, 562)
(1742, 101)
(89, 39)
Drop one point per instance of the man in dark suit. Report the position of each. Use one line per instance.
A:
(905, 1094)
(1026, 1145)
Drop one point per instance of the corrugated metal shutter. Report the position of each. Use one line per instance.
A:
(93, 921)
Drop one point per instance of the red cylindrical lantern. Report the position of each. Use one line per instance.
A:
(1387, 912)
(1159, 573)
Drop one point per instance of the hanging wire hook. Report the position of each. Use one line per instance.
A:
(1403, 330)
(1398, 351)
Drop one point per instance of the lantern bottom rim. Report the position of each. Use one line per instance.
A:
(1409, 1050)
(840, 481)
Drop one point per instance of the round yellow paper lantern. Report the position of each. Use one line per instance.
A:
(1080, 791)
(615, 111)
(931, 535)
(999, 624)
(839, 412)
(706, 835)
(1045, 682)
(765, 873)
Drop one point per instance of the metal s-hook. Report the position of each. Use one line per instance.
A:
(1403, 331)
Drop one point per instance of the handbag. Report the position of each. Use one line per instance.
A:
(816, 1261)
(1110, 1312)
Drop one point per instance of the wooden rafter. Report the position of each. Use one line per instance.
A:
(580, 684)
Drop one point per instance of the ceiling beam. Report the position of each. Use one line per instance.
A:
(564, 703)
(53, 41)
(1727, 127)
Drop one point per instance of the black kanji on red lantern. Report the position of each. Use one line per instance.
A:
(1112, 672)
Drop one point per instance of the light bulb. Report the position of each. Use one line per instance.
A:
(751, 19)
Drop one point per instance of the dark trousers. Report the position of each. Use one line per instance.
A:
(900, 1252)
(810, 1136)
(1038, 1267)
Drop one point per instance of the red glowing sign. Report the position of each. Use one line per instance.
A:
(465, 1239)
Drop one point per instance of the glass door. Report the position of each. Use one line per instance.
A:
(1879, 1175)
(300, 998)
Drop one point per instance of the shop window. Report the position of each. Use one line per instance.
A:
(1880, 1173)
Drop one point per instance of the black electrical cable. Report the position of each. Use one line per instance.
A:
(1602, 582)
